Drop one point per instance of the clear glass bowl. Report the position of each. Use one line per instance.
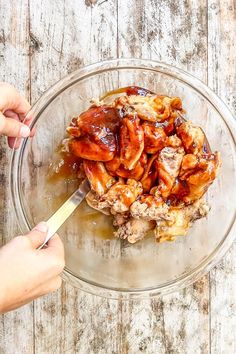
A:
(95, 261)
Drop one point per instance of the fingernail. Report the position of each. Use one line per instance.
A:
(42, 227)
(24, 131)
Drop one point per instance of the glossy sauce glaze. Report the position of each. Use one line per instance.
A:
(95, 133)
(66, 168)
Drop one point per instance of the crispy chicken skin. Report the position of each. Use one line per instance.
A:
(192, 137)
(180, 221)
(92, 198)
(149, 207)
(173, 141)
(147, 166)
(199, 172)
(152, 108)
(120, 196)
(135, 229)
(120, 219)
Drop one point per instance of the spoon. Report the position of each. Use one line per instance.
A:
(67, 208)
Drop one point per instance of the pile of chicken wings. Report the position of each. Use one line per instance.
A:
(147, 165)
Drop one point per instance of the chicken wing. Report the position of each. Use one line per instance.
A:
(131, 141)
(116, 168)
(135, 229)
(150, 175)
(120, 196)
(149, 207)
(94, 133)
(192, 137)
(89, 150)
(180, 221)
(151, 108)
(169, 162)
(92, 198)
(98, 177)
(154, 138)
(199, 172)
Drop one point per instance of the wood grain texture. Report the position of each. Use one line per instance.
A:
(177, 35)
(16, 328)
(71, 34)
(41, 41)
(222, 79)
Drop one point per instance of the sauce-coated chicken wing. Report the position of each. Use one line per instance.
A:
(169, 162)
(94, 133)
(131, 140)
(192, 137)
(199, 172)
(121, 195)
(98, 177)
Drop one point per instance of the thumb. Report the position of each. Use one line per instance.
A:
(13, 128)
(38, 234)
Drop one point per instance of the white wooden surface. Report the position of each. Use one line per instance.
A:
(41, 41)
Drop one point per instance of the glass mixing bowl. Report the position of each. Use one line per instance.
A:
(95, 261)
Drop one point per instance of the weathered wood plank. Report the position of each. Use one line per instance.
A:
(67, 35)
(222, 78)
(63, 36)
(16, 328)
(175, 33)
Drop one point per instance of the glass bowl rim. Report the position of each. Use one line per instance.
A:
(111, 65)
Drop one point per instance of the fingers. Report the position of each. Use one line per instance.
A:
(13, 128)
(13, 110)
(38, 235)
(55, 246)
(11, 114)
(15, 142)
(11, 99)
(26, 119)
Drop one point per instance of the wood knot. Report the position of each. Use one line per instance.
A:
(35, 43)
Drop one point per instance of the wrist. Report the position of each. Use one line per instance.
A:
(2, 296)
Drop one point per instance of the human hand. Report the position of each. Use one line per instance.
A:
(13, 109)
(26, 272)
